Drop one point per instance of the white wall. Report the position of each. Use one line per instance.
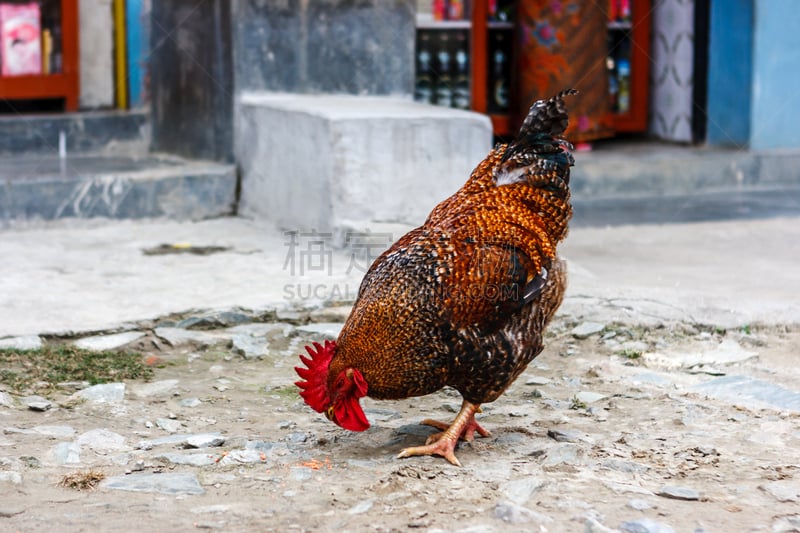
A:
(96, 53)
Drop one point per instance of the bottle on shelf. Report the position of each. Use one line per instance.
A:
(455, 9)
(501, 10)
(624, 85)
(444, 83)
(461, 92)
(625, 11)
(423, 83)
(499, 72)
(439, 9)
(613, 84)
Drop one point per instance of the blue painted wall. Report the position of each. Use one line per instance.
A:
(775, 107)
(137, 16)
(730, 66)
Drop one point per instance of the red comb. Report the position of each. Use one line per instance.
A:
(315, 375)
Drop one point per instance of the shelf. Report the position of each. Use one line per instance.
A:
(620, 26)
(428, 23)
(497, 25)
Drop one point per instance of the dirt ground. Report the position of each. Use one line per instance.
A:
(585, 440)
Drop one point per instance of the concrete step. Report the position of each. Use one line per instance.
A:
(110, 132)
(649, 168)
(48, 188)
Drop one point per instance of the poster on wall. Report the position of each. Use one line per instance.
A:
(20, 39)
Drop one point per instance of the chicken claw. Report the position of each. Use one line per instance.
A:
(444, 444)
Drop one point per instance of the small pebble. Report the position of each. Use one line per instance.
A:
(564, 435)
(679, 493)
(645, 525)
(190, 402)
(37, 403)
(587, 329)
(639, 505)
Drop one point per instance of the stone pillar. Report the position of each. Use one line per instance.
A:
(324, 46)
(191, 70)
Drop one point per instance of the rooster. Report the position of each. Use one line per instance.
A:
(463, 300)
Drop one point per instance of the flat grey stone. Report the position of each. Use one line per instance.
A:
(102, 441)
(73, 385)
(263, 446)
(248, 346)
(563, 454)
(103, 393)
(783, 491)
(204, 440)
(169, 425)
(155, 388)
(190, 402)
(27, 342)
(216, 320)
(751, 393)
(679, 493)
(246, 456)
(329, 330)
(182, 439)
(180, 336)
(6, 400)
(519, 491)
(786, 524)
(587, 329)
(166, 483)
(262, 329)
(37, 403)
(564, 435)
(645, 525)
(100, 343)
(621, 465)
(639, 505)
(537, 380)
(516, 514)
(296, 437)
(66, 453)
(590, 397)
(62, 432)
(191, 459)
(6, 476)
(149, 444)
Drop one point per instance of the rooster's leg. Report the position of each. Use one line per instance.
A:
(468, 433)
(444, 444)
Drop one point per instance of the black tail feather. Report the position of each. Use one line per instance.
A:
(547, 116)
(546, 120)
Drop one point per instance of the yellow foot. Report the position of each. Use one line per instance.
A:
(464, 426)
(443, 446)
